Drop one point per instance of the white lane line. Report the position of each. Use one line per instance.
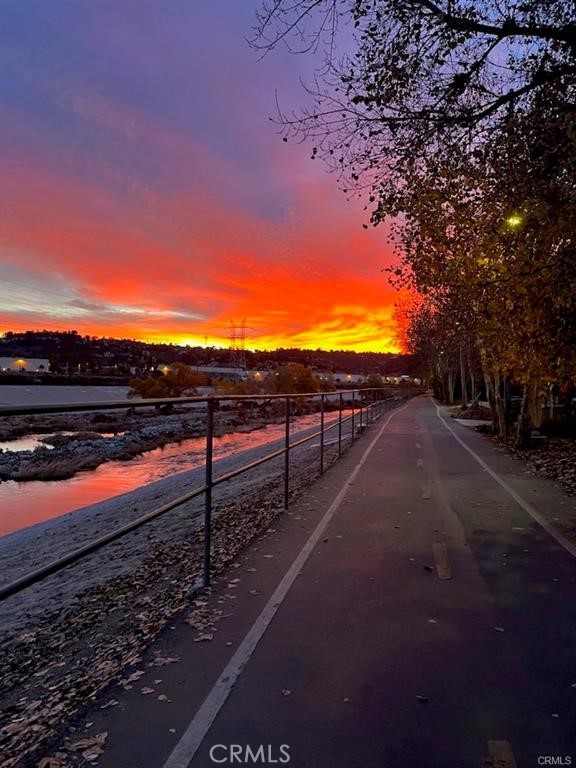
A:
(188, 745)
(568, 546)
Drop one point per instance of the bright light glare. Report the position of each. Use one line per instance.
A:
(514, 220)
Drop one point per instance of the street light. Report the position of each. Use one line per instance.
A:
(514, 220)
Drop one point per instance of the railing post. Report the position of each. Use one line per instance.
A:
(208, 491)
(340, 425)
(353, 400)
(321, 434)
(361, 398)
(287, 454)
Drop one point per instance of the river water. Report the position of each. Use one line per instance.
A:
(24, 504)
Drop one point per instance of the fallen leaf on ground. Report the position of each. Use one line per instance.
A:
(111, 703)
(286, 692)
(161, 661)
(92, 742)
(14, 728)
(146, 691)
(203, 638)
(163, 697)
(499, 629)
(422, 699)
(49, 762)
(133, 677)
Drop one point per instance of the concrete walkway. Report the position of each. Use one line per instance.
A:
(409, 612)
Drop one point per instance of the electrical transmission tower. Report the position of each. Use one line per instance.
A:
(237, 336)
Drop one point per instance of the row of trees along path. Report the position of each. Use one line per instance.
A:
(454, 121)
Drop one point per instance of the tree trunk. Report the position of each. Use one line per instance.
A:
(439, 382)
(463, 388)
(499, 406)
(495, 415)
(530, 413)
(451, 384)
(472, 376)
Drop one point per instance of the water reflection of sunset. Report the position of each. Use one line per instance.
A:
(25, 504)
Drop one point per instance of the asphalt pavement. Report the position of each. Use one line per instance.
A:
(415, 609)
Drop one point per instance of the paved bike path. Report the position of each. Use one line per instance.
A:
(370, 659)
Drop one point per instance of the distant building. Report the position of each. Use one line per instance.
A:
(340, 377)
(23, 364)
(220, 372)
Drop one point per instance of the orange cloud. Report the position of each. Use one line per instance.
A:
(176, 266)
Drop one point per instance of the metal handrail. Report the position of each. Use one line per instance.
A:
(212, 401)
(31, 410)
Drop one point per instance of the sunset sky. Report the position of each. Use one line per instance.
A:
(146, 194)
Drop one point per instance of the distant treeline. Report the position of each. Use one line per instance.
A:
(67, 350)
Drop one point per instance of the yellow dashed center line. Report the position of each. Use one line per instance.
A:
(443, 569)
(501, 754)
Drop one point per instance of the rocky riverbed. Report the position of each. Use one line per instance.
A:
(101, 437)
